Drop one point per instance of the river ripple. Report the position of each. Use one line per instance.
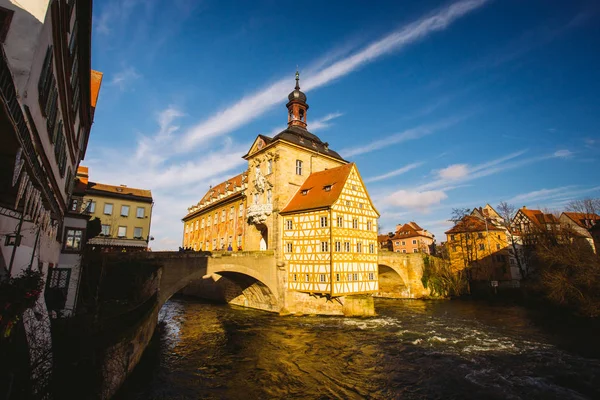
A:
(411, 350)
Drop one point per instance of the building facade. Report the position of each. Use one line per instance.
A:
(249, 210)
(481, 246)
(48, 94)
(411, 238)
(124, 212)
(217, 222)
(581, 224)
(329, 236)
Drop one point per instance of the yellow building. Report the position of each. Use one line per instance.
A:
(247, 208)
(330, 235)
(478, 244)
(217, 222)
(125, 214)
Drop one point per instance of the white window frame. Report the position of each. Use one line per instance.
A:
(289, 224)
(324, 222)
(109, 205)
(324, 246)
(124, 206)
(143, 212)
(355, 223)
(289, 247)
(119, 231)
(340, 222)
(141, 230)
(298, 167)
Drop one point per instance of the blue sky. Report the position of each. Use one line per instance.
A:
(441, 104)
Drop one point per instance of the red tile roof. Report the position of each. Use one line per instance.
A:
(121, 190)
(220, 192)
(470, 223)
(582, 219)
(538, 217)
(312, 194)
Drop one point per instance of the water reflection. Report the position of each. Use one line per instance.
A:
(412, 349)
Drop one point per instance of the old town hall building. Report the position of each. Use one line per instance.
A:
(300, 199)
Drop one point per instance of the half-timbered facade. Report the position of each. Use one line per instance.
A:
(330, 235)
(301, 199)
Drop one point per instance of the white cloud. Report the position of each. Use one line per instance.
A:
(455, 171)
(563, 153)
(254, 105)
(540, 194)
(123, 78)
(323, 123)
(176, 184)
(416, 199)
(396, 172)
(409, 134)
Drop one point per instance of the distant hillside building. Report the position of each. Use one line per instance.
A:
(300, 199)
(411, 238)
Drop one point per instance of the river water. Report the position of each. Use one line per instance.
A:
(412, 350)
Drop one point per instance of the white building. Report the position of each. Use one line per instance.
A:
(48, 94)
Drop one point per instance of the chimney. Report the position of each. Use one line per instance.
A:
(524, 207)
(398, 227)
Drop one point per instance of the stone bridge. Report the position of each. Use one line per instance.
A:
(400, 275)
(254, 280)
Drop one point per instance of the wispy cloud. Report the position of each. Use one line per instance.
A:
(455, 171)
(553, 197)
(542, 194)
(323, 123)
(400, 137)
(123, 78)
(254, 105)
(395, 172)
(563, 153)
(423, 196)
(416, 199)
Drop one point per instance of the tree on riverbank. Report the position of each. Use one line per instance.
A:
(441, 279)
(568, 271)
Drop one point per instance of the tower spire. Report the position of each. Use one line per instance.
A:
(297, 106)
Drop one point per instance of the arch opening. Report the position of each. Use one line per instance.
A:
(392, 284)
(233, 288)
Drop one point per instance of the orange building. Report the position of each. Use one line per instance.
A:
(411, 238)
(217, 222)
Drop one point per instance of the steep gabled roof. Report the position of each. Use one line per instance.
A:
(470, 223)
(584, 220)
(313, 195)
(538, 217)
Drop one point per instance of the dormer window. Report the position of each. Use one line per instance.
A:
(327, 188)
(304, 192)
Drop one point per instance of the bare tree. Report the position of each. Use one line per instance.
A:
(584, 206)
(508, 212)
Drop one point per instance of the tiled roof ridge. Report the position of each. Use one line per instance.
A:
(220, 192)
(119, 189)
(313, 187)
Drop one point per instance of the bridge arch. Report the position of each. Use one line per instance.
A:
(246, 281)
(392, 282)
